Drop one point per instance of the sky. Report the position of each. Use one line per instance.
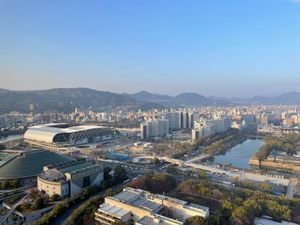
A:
(229, 48)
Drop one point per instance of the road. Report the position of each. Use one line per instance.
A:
(290, 189)
(20, 202)
(212, 169)
(198, 158)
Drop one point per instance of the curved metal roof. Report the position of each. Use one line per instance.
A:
(47, 132)
(30, 164)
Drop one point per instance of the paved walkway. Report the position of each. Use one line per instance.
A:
(20, 202)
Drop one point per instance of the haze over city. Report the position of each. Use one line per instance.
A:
(150, 112)
(215, 48)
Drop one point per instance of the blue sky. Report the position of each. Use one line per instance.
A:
(213, 47)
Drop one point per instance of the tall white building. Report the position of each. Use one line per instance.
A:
(180, 120)
(155, 128)
(205, 128)
(248, 118)
(174, 120)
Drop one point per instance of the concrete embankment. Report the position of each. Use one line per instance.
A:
(275, 165)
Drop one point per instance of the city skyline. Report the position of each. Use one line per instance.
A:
(215, 48)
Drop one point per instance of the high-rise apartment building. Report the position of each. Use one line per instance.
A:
(155, 128)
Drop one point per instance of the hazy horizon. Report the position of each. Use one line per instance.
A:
(173, 95)
(214, 48)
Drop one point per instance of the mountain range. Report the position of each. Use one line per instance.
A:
(181, 100)
(67, 99)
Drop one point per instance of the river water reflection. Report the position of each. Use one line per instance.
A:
(10, 138)
(240, 154)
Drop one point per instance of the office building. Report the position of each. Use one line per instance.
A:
(135, 206)
(68, 178)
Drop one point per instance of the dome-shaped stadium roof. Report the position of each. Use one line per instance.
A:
(30, 164)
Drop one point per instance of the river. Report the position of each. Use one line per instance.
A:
(4, 139)
(240, 154)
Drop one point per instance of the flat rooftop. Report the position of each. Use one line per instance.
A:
(71, 166)
(137, 199)
(198, 207)
(75, 167)
(112, 210)
(263, 221)
(157, 220)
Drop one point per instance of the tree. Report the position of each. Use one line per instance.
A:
(2, 147)
(55, 197)
(15, 183)
(39, 203)
(195, 220)
(156, 161)
(202, 174)
(239, 216)
(226, 208)
(214, 220)
(109, 192)
(156, 183)
(106, 172)
(120, 174)
(172, 170)
(4, 184)
(266, 186)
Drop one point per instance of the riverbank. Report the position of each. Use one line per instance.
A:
(11, 133)
(273, 148)
(221, 146)
(10, 138)
(239, 155)
(274, 165)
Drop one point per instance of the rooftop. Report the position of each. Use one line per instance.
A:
(61, 128)
(113, 210)
(137, 199)
(264, 221)
(80, 165)
(56, 172)
(198, 207)
(29, 164)
(158, 220)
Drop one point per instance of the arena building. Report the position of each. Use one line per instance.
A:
(26, 164)
(68, 178)
(63, 136)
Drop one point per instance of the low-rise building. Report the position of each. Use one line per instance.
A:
(265, 221)
(135, 206)
(68, 178)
